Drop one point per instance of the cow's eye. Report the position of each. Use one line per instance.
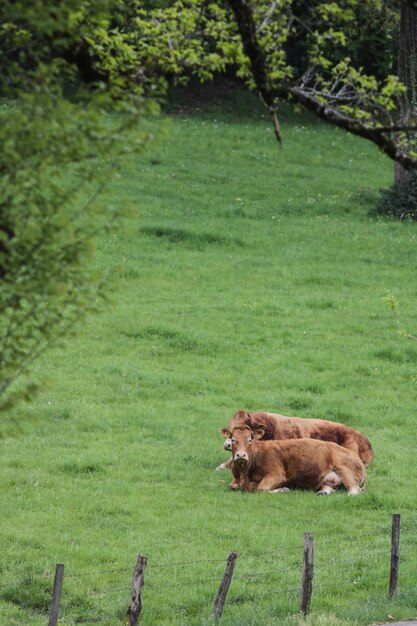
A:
(233, 440)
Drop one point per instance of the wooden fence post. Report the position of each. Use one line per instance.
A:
(395, 554)
(56, 595)
(224, 586)
(135, 606)
(307, 574)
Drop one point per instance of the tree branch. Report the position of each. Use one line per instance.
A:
(384, 137)
(247, 29)
(379, 137)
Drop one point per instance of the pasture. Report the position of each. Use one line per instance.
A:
(250, 277)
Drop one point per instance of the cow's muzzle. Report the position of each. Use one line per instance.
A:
(241, 458)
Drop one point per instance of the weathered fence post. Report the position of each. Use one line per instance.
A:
(224, 585)
(307, 574)
(135, 606)
(56, 595)
(395, 554)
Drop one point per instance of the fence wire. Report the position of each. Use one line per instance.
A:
(345, 566)
(98, 572)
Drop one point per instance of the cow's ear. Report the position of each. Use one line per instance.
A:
(226, 433)
(255, 425)
(258, 433)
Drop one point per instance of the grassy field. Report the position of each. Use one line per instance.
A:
(252, 277)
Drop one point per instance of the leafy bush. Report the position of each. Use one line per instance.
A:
(400, 200)
(61, 140)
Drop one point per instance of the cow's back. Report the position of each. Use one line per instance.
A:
(279, 426)
(344, 436)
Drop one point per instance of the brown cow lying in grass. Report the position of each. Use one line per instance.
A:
(276, 466)
(281, 427)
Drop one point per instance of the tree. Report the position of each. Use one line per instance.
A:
(336, 92)
(372, 40)
(60, 78)
(407, 71)
(306, 52)
(369, 36)
(184, 38)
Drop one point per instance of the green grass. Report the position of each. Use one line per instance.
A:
(252, 277)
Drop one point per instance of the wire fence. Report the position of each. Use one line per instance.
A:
(319, 574)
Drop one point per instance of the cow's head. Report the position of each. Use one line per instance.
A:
(239, 419)
(242, 439)
(227, 438)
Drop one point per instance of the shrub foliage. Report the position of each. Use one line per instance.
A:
(400, 200)
(60, 143)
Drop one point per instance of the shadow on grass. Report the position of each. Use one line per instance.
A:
(188, 238)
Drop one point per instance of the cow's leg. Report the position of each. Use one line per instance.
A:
(330, 483)
(225, 466)
(325, 490)
(251, 486)
(349, 481)
(272, 482)
(280, 490)
(237, 477)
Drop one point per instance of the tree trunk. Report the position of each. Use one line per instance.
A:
(407, 70)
